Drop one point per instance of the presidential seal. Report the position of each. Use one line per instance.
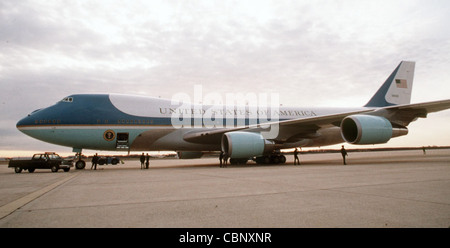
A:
(109, 135)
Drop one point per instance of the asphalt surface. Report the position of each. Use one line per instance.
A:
(376, 189)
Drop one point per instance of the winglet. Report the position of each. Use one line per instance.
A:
(397, 88)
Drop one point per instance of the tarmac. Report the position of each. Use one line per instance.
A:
(399, 189)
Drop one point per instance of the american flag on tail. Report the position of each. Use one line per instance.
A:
(401, 83)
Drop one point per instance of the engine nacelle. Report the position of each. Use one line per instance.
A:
(189, 155)
(366, 129)
(245, 144)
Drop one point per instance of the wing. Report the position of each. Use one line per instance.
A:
(403, 115)
(296, 129)
(288, 129)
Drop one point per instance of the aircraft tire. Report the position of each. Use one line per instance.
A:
(237, 161)
(282, 159)
(79, 165)
(276, 160)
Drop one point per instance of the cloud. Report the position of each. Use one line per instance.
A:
(317, 53)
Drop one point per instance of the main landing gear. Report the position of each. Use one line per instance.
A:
(275, 158)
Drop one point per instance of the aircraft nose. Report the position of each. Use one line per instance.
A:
(26, 121)
(22, 122)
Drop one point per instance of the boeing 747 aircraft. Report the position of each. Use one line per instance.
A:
(117, 122)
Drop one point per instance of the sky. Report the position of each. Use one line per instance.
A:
(312, 53)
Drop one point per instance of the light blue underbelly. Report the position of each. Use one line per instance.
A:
(83, 138)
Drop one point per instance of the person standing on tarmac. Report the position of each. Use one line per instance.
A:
(221, 158)
(344, 154)
(142, 159)
(147, 161)
(225, 160)
(296, 160)
(94, 161)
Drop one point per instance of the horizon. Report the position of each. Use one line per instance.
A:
(14, 154)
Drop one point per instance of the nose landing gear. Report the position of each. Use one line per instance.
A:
(80, 163)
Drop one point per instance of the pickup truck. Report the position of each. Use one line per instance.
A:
(48, 160)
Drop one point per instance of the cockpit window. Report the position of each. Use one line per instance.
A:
(67, 99)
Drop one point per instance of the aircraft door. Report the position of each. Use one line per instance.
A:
(122, 141)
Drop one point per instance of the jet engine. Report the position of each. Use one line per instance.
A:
(245, 144)
(367, 129)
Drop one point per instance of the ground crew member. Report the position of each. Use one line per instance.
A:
(344, 154)
(221, 158)
(147, 161)
(94, 161)
(296, 160)
(142, 159)
(225, 160)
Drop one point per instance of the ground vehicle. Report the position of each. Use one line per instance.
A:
(48, 160)
(108, 160)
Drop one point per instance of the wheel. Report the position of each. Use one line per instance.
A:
(276, 160)
(80, 164)
(54, 168)
(31, 170)
(66, 169)
(17, 169)
(260, 160)
(242, 161)
(282, 159)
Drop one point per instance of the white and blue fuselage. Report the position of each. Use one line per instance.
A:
(118, 122)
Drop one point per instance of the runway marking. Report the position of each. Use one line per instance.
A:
(9, 208)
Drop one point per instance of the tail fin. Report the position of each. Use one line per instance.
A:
(397, 88)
